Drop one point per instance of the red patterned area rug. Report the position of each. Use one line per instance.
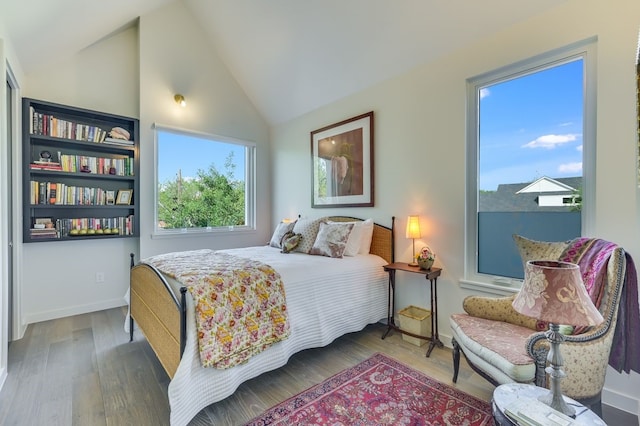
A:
(379, 391)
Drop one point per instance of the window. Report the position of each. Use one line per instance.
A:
(530, 159)
(204, 183)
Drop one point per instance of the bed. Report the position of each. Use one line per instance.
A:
(326, 298)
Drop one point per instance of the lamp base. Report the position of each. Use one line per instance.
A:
(556, 401)
(413, 264)
(554, 398)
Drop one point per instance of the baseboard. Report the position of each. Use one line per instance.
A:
(73, 310)
(621, 401)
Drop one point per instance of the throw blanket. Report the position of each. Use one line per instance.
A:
(240, 303)
(592, 256)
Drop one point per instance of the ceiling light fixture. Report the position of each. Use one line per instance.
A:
(180, 100)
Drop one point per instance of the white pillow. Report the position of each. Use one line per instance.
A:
(281, 229)
(353, 243)
(360, 238)
(366, 237)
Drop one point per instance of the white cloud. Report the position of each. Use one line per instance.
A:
(551, 141)
(579, 148)
(570, 168)
(484, 93)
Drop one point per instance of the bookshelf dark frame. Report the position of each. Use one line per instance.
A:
(34, 143)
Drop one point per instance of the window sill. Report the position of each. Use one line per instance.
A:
(203, 232)
(501, 290)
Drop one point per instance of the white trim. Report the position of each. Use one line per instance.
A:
(485, 287)
(250, 185)
(621, 401)
(74, 310)
(547, 179)
(586, 50)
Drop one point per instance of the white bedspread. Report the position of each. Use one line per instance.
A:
(326, 298)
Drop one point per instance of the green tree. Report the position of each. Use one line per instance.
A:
(212, 199)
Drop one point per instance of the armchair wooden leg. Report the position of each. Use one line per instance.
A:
(456, 359)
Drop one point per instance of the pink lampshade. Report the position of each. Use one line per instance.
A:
(554, 292)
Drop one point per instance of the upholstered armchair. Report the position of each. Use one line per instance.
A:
(504, 346)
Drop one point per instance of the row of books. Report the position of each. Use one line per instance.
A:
(96, 165)
(49, 125)
(81, 227)
(63, 194)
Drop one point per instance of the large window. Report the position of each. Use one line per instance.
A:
(530, 159)
(204, 183)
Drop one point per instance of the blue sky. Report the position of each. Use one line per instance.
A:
(532, 127)
(190, 153)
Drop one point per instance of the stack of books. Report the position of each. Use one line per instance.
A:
(532, 412)
(41, 233)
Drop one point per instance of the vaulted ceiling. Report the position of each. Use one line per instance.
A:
(290, 56)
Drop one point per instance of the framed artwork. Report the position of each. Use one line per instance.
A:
(124, 196)
(342, 163)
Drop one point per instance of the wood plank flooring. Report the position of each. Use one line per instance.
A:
(82, 370)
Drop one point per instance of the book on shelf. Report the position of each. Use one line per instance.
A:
(532, 412)
(116, 141)
(45, 165)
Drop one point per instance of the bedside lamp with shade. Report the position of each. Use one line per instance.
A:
(413, 232)
(554, 292)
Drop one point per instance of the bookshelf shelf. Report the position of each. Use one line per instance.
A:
(73, 170)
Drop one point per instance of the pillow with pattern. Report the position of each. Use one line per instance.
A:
(309, 230)
(290, 241)
(281, 229)
(538, 250)
(332, 239)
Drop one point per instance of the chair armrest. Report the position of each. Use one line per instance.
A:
(585, 358)
(496, 309)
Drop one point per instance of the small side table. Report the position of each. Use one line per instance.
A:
(430, 275)
(506, 394)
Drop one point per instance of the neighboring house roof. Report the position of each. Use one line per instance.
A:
(521, 197)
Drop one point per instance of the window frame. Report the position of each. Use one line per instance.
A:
(250, 185)
(586, 50)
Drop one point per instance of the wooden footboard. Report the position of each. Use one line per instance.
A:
(161, 315)
(157, 312)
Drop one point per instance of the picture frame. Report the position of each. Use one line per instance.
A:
(124, 196)
(342, 163)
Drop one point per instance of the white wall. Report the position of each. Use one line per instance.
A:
(175, 58)
(420, 148)
(58, 278)
(135, 73)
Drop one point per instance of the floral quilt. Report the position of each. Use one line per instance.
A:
(239, 303)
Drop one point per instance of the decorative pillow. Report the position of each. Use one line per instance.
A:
(332, 239)
(309, 230)
(538, 250)
(367, 236)
(355, 237)
(281, 229)
(290, 241)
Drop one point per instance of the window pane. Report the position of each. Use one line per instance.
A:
(201, 182)
(530, 156)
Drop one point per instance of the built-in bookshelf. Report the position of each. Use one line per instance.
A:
(80, 173)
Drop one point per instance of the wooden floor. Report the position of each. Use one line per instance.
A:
(82, 370)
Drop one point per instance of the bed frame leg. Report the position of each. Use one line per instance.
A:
(131, 265)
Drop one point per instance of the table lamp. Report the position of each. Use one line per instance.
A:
(554, 292)
(413, 232)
